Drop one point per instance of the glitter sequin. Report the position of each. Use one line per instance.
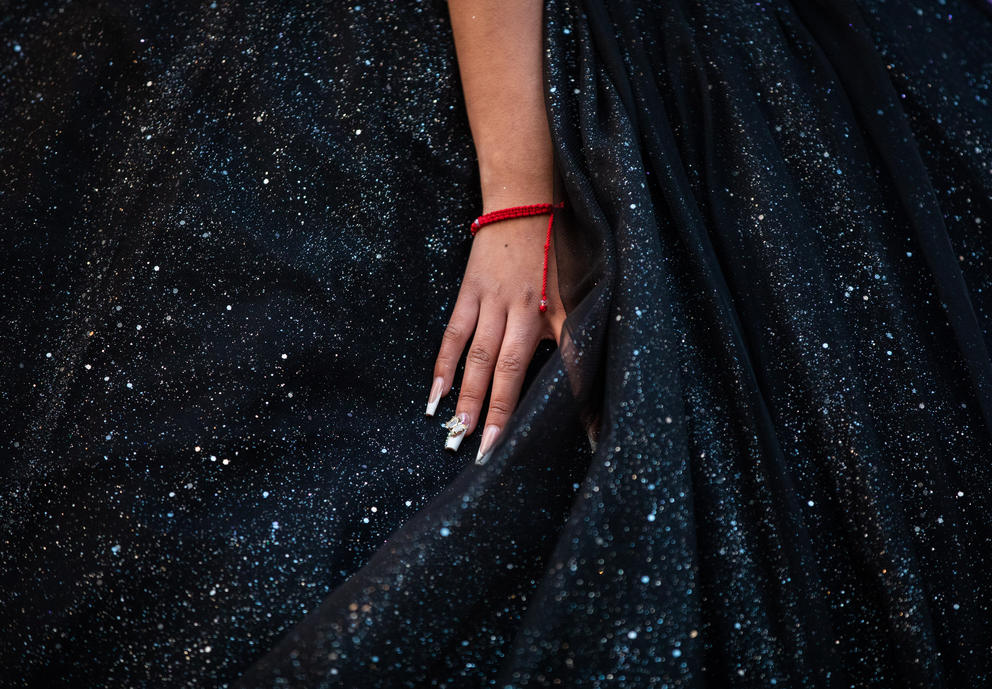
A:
(759, 458)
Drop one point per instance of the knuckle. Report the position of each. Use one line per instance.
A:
(470, 397)
(530, 296)
(510, 363)
(480, 355)
(499, 408)
(473, 282)
(452, 334)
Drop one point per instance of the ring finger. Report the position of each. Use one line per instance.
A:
(519, 344)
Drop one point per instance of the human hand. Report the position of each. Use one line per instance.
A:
(498, 302)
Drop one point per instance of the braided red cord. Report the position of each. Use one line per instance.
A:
(523, 212)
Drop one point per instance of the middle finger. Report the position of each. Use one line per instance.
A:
(479, 363)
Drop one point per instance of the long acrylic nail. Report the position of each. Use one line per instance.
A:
(456, 425)
(436, 389)
(488, 437)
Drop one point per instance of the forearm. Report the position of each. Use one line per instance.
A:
(498, 45)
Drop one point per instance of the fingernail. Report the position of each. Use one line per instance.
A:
(436, 389)
(488, 436)
(456, 426)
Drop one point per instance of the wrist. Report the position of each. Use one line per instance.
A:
(516, 186)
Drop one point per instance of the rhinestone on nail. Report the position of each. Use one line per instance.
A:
(455, 427)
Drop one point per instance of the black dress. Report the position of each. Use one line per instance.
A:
(760, 456)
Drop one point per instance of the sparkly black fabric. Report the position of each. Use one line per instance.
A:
(232, 236)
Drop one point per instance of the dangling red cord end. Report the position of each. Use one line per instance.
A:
(542, 306)
(522, 212)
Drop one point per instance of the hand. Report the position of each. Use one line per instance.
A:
(498, 301)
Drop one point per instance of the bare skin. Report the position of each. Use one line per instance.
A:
(498, 46)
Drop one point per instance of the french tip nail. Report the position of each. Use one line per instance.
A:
(489, 435)
(454, 443)
(435, 395)
(457, 427)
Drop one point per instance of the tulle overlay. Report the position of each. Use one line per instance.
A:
(759, 456)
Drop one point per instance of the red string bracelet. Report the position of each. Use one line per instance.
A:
(523, 212)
